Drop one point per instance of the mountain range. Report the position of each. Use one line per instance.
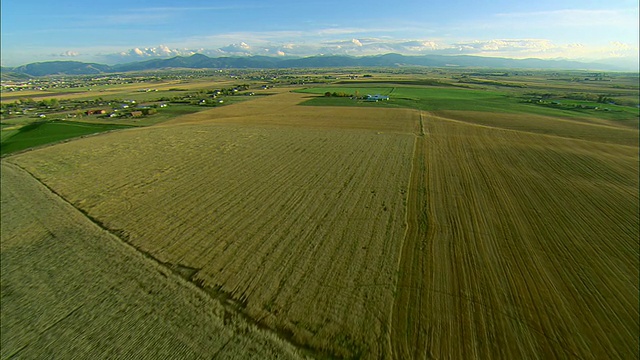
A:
(200, 61)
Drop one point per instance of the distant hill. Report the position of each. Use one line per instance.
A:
(199, 61)
(9, 74)
(60, 68)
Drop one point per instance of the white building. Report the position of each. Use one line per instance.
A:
(376, 97)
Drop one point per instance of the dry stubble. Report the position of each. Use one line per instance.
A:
(300, 226)
(70, 289)
(519, 246)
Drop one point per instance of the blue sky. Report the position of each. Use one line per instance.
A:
(116, 31)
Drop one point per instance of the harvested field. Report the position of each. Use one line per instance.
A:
(300, 226)
(72, 290)
(519, 246)
(592, 129)
(283, 110)
(381, 233)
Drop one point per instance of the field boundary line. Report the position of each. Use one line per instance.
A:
(422, 132)
(416, 174)
(402, 245)
(576, 122)
(532, 133)
(228, 308)
(63, 141)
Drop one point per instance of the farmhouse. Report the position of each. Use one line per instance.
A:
(376, 97)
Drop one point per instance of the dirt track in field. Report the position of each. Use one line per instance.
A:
(408, 332)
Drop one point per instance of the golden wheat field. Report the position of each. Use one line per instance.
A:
(283, 220)
(73, 290)
(366, 232)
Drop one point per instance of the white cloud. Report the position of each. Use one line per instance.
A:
(160, 51)
(254, 38)
(513, 48)
(545, 49)
(506, 45)
(341, 31)
(241, 48)
(69, 53)
(280, 44)
(163, 49)
(421, 46)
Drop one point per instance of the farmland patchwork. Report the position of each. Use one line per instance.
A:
(358, 232)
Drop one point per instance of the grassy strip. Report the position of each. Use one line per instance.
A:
(447, 98)
(46, 132)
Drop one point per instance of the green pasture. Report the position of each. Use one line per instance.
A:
(450, 98)
(46, 132)
(25, 132)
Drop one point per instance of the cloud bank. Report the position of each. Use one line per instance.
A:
(244, 44)
(511, 48)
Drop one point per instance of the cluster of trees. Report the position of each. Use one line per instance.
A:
(337, 94)
(32, 103)
(602, 99)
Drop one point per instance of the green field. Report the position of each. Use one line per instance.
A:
(170, 112)
(23, 132)
(42, 133)
(461, 99)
